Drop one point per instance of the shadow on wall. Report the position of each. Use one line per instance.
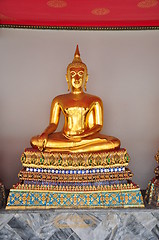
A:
(11, 149)
(10, 164)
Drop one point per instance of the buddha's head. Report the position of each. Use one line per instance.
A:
(77, 75)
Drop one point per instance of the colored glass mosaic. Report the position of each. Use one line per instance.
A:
(95, 177)
(47, 185)
(52, 180)
(152, 191)
(2, 195)
(76, 171)
(44, 199)
(34, 158)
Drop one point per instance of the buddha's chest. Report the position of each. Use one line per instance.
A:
(76, 117)
(76, 111)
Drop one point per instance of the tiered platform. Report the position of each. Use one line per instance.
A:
(84, 180)
(152, 192)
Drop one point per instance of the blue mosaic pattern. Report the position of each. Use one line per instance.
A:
(80, 171)
(18, 198)
(38, 199)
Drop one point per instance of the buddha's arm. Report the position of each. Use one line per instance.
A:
(54, 120)
(94, 119)
(54, 117)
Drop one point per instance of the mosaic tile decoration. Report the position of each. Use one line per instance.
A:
(101, 186)
(82, 180)
(75, 184)
(152, 192)
(2, 195)
(76, 171)
(35, 158)
(44, 199)
(73, 177)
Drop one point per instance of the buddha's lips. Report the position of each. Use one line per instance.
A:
(77, 81)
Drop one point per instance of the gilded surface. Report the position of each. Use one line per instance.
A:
(49, 177)
(157, 157)
(78, 188)
(77, 167)
(157, 171)
(152, 191)
(2, 195)
(113, 158)
(83, 114)
(104, 199)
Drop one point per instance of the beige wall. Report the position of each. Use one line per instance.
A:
(123, 70)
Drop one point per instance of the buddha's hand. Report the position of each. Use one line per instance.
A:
(42, 141)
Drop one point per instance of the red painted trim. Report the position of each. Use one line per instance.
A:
(84, 24)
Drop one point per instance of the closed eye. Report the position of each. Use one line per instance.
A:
(73, 73)
(80, 73)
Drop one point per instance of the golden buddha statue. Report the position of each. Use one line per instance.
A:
(83, 115)
(77, 167)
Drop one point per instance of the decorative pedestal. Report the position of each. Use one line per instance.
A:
(2, 195)
(152, 192)
(84, 180)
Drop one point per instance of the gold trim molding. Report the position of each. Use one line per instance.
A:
(82, 28)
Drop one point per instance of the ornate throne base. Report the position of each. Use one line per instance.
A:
(152, 192)
(84, 180)
(2, 195)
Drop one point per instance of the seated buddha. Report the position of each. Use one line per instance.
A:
(83, 114)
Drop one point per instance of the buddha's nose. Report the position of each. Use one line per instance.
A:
(77, 77)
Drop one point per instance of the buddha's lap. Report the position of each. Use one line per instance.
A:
(58, 140)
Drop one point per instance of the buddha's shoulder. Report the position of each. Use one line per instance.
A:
(60, 98)
(93, 98)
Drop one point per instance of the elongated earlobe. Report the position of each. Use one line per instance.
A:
(85, 83)
(68, 83)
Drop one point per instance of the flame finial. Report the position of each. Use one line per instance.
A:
(77, 55)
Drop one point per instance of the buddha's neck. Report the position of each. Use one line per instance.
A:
(76, 91)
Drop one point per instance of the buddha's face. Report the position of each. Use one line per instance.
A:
(77, 77)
